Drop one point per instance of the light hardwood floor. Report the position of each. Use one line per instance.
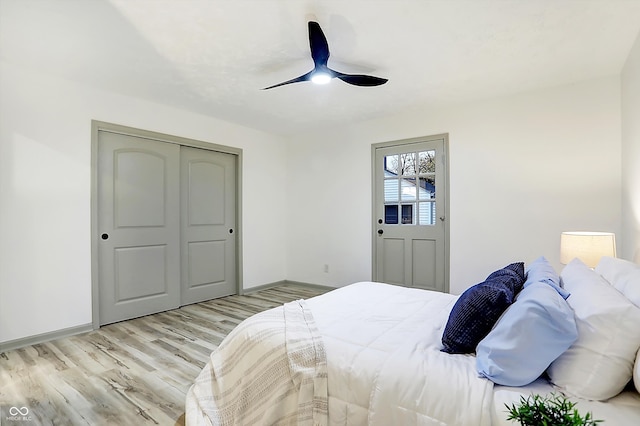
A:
(130, 373)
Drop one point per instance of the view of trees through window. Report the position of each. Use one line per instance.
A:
(407, 164)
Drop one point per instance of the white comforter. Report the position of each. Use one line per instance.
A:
(384, 362)
(383, 365)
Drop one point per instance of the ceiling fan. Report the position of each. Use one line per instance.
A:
(321, 73)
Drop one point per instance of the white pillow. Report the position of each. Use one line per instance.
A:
(623, 275)
(600, 363)
(636, 372)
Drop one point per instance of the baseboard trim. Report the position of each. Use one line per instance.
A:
(44, 337)
(286, 282)
(262, 287)
(309, 285)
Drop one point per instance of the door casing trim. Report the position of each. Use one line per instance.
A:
(98, 126)
(402, 142)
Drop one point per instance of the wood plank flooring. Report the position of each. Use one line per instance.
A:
(133, 372)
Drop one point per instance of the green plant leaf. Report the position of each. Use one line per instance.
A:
(551, 410)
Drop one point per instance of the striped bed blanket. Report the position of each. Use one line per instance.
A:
(271, 369)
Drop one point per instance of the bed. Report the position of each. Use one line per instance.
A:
(378, 354)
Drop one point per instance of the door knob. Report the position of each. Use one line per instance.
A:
(380, 231)
(231, 231)
(104, 236)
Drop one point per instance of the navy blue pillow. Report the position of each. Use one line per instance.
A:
(479, 307)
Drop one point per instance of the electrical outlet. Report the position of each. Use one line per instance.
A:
(326, 268)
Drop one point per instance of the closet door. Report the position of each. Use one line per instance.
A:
(139, 226)
(208, 240)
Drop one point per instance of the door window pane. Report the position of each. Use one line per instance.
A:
(391, 165)
(427, 161)
(408, 189)
(408, 163)
(391, 215)
(407, 213)
(427, 213)
(427, 189)
(391, 190)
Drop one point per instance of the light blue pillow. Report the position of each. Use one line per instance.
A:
(540, 270)
(536, 329)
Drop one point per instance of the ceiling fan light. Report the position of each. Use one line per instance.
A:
(320, 78)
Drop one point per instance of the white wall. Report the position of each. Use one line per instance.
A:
(45, 144)
(522, 169)
(630, 89)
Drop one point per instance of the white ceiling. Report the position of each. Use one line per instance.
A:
(213, 56)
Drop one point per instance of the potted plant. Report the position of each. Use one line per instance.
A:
(552, 410)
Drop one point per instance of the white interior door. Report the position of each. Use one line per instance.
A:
(139, 226)
(165, 224)
(409, 214)
(208, 192)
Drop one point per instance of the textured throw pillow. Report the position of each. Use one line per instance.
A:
(540, 270)
(479, 307)
(536, 329)
(600, 363)
(623, 275)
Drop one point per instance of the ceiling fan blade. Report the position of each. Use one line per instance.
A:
(318, 44)
(361, 80)
(305, 77)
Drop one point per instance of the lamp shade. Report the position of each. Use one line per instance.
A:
(589, 247)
